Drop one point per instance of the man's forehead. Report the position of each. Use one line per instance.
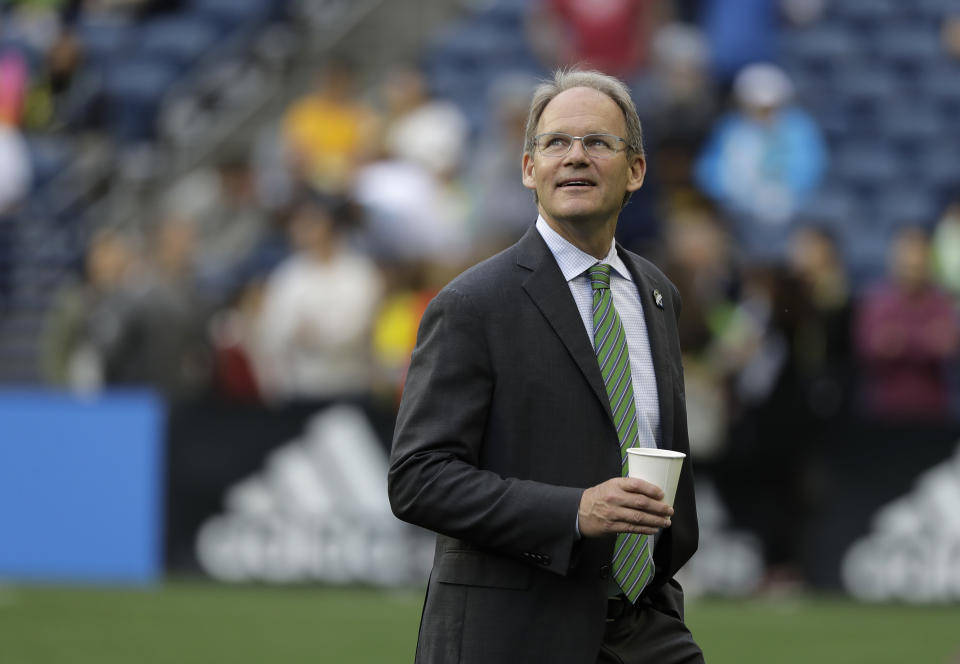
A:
(585, 105)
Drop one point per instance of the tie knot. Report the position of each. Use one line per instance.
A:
(599, 276)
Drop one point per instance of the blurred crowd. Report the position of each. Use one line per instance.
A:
(51, 79)
(297, 265)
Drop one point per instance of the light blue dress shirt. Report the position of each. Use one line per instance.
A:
(573, 264)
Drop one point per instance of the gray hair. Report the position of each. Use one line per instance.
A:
(575, 78)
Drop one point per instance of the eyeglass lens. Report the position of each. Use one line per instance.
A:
(596, 145)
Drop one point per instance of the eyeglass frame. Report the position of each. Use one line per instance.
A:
(573, 139)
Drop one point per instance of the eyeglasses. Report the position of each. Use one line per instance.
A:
(600, 146)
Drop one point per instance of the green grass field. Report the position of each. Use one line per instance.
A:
(201, 622)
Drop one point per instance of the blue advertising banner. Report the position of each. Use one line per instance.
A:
(81, 487)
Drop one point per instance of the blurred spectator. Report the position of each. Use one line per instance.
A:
(802, 12)
(740, 32)
(329, 132)
(611, 36)
(132, 322)
(31, 25)
(762, 161)
(764, 475)
(409, 218)
(395, 335)
(70, 356)
(13, 86)
(826, 373)
(774, 303)
(148, 8)
(950, 34)
(119, 9)
(318, 310)
(161, 337)
(677, 103)
(222, 205)
(417, 207)
(16, 168)
(946, 248)
(234, 332)
(906, 330)
(421, 128)
(824, 348)
(62, 95)
(502, 207)
(699, 260)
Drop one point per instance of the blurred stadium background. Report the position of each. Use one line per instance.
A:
(220, 221)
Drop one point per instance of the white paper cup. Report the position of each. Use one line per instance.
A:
(659, 467)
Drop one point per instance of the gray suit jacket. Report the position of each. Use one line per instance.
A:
(504, 421)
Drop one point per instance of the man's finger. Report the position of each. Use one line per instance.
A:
(637, 485)
(652, 506)
(629, 518)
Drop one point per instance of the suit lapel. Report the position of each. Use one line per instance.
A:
(551, 294)
(654, 316)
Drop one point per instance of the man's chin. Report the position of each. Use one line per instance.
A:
(584, 213)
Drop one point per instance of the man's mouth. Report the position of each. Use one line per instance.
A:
(575, 182)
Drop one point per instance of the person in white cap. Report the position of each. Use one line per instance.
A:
(762, 160)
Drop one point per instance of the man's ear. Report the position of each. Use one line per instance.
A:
(637, 169)
(529, 174)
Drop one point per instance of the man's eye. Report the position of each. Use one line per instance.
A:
(599, 142)
(557, 141)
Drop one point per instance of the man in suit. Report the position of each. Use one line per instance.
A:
(506, 442)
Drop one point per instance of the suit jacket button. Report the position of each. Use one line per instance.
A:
(544, 559)
(605, 571)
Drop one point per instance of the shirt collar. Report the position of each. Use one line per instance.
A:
(572, 260)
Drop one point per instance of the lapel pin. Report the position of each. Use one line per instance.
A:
(658, 298)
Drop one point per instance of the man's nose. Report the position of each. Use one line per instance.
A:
(576, 154)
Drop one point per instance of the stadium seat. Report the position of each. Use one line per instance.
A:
(507, 16)
(810, 83)
(49, 154)
(836, 124)
(452, 53)
(833, 206)
(910, 120)
(133, 90)
(865, 244)
(177, 40)
(823, 45)
(938, 162)
(862, 117)
(857, 82)
(103, 39)
(910, 44)
(941, 83)
(230, 15)
(861, 12)
(476, 42)
(928, 9)
(866, 163)
(907, 203)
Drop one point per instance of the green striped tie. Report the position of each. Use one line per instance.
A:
(632, 558)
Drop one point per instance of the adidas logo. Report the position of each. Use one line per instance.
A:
(913, 551)
(317, 511)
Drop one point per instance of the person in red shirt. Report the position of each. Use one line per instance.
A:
(612, 36)
(906, 330)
